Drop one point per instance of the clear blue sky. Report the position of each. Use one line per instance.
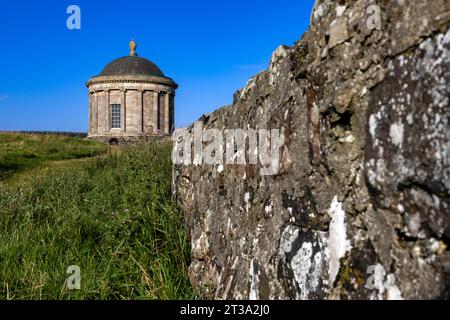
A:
(210, 48)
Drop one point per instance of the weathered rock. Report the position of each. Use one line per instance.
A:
(364, 180)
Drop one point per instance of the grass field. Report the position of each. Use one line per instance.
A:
(20, 152)
(111, 215)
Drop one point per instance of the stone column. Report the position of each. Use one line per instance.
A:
(166, 113)
(95, 121)
(148, 111)
(155, 111)
(101, 112)
(108, 110)
(123, 111)
(141, 110)
(172, 112)
(90, 113)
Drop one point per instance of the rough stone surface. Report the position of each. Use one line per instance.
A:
(364, 185)
(133, 139)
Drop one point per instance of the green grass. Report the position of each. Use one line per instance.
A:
(111, 215)
(20, 152)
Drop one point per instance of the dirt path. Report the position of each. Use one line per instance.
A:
(31, 176)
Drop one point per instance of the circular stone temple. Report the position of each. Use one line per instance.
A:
(130, 100)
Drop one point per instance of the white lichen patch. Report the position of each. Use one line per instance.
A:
(374, 121)
(384, 284)
(307, 262)
(347, 139)
(371, 174)
(340, 10)
(437, 247)
(288, 237)
(247, 201)
(301, 265)
(396, 134)
(410, 119)
(254, 281)
(316, 273)
(338, 244)
(268, 209)
(394, 293)
(413, 223)
(373, 126)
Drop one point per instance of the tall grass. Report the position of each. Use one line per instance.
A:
(112, 216)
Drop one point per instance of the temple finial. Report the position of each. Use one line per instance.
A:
(133, 47)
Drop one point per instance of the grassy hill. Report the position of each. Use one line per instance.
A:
(111, 215)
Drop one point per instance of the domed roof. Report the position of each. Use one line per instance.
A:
(132, 65)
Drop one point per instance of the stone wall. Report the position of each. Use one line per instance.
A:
(133, 139)
(364, 185)
(58, 133)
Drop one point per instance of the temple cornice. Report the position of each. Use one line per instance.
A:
(132, 79)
